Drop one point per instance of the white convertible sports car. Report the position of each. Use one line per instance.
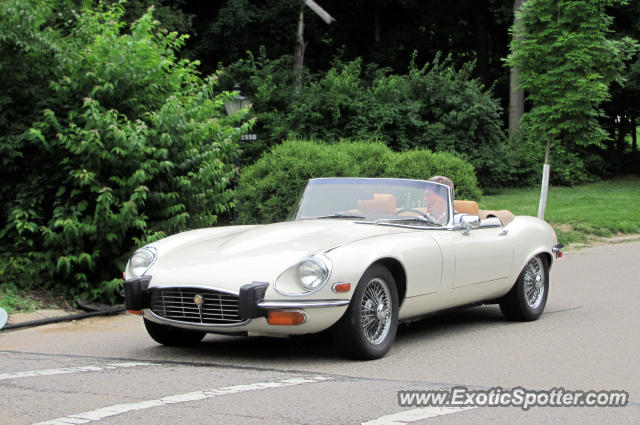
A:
(358, 256)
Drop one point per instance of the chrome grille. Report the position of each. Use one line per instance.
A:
(217, 308)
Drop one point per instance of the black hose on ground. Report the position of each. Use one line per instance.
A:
(107, 312)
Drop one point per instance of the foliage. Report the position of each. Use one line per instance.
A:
(13, 302)
(27, 49)
(384, 32)
(436, 106)
(566, 63)
(268, 189)
(131, 145)
(623, 110)
(570, 166)
(172, 14)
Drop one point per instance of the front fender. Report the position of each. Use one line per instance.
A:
(417, 252)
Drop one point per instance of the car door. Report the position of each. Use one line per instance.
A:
(483, 254)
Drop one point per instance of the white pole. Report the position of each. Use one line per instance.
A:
(545, 181)
(543, 191)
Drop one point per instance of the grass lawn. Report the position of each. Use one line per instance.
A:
(597, 209)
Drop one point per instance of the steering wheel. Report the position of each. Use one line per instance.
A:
(415, 211)
(412, 210)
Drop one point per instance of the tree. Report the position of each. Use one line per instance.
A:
(129, 145)
(516, 95)
(624, 109)
(298, 56)
(438, 106)
(566, 63)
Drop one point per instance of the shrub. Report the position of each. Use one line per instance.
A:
(437, 106)
(131, 146)
(422, 164)
(567, 166)
(268, 189)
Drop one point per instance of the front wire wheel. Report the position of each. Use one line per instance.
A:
(375, 311)
(528, 297)
(368, 328)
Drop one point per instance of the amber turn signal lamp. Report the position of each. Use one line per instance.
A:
(290, 318)
(137, 312)
(342, 287)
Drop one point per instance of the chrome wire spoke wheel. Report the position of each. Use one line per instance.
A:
(528, 296)
(534, 283)
(368, 327)
(376, 311)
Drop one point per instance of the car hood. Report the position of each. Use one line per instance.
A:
(229, 257)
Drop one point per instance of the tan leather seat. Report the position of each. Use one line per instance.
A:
(382, 203)
(466, 207)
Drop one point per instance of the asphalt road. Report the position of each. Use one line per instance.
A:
(108, 371)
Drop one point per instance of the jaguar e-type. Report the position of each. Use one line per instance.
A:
(358, 256)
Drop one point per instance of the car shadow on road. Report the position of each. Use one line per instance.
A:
(452, 321)
(319, 347)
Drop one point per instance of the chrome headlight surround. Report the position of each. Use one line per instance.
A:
(141, 261)
(305, 277)
(313, 272)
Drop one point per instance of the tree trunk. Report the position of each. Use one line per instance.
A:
(544, 189)
(610, 143)
(298, 56)
(622, 132)
(516, 96)
(634, 136)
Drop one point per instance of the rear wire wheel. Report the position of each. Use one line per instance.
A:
(528, 297)
(368, 327)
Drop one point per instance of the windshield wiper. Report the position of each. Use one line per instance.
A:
(421, 219)
(340, 215)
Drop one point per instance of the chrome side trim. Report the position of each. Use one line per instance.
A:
(406, 226)
(303, 304)
(189, 325)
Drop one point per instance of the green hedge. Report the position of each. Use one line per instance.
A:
(268, 189)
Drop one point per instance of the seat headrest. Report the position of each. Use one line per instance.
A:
(382, 203)
(466, 207)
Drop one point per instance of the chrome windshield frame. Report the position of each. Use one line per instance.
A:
(448, 225)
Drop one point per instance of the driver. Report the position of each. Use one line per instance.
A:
(443, 180)
(435, 204)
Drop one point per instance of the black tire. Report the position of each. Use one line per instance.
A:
(172, 336)
(350, 335)
(522, 303)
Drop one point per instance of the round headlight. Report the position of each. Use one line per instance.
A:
(141, 261)
(312, 274)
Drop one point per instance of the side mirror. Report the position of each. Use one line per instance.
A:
(467, 221)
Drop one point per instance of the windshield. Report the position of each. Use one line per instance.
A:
(375, 199)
